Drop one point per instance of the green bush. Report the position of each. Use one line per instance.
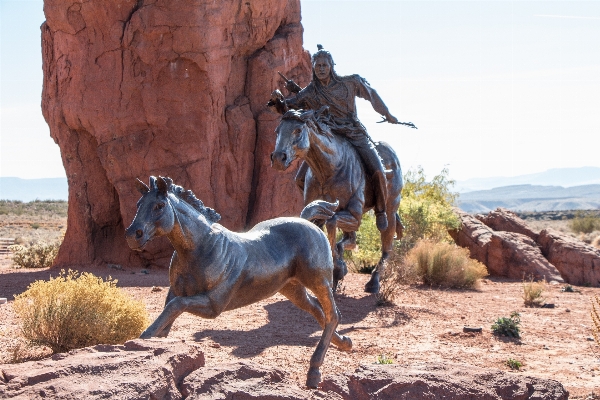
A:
(39, 255)
(445, 264)
(514, 364)
(78, 310)
(425, 210)
(510, 327)
(584, 224)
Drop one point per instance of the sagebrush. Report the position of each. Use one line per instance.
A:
(37, 255)
(445, 264)
(77, 310)
(533, 293)
(584, 223)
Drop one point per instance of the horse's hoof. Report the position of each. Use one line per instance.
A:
(313, 378)
(372, 287)
(346, 344)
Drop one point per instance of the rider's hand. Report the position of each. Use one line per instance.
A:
(391, 119)
(276, 95)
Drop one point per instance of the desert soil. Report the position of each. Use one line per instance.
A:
(425, 324)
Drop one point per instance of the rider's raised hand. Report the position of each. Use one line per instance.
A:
(391, 119)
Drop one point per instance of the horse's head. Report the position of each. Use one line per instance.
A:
(154, 215)
(292, 138)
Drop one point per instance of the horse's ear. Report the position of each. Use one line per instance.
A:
(162, 185)
(141, 186)
(152, 183)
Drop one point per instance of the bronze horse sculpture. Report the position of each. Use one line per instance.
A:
(214, 270)
(337, 178)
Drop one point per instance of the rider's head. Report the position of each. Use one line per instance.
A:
(322, 62)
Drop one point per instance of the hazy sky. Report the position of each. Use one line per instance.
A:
(497, 88)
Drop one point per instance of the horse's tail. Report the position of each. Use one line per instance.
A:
(319, 211)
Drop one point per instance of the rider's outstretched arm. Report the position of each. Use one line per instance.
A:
(365, 91)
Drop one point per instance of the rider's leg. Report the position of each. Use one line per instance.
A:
(367, 151)
(301, 175)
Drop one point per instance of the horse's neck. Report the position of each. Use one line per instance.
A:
(189, 230)
(324, 156)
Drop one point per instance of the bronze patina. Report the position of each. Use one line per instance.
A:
(337, 177)
(372, 180)
(214, 270)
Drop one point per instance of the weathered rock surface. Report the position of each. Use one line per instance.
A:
(502, 219)
(507, 254)
(578, 262)
(164, 369)
(135, 88)
(139, 369)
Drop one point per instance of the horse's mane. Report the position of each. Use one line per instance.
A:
(320, 120)
(189, 197)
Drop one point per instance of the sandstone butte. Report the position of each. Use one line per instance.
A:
(135, 88)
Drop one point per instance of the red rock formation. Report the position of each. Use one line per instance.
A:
(135, 88)
(505, 220)
(507, 254)
(138, 369)
(167, 369)
(578, 262)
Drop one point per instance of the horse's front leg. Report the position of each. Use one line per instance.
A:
(348, 223)
(165, 331)
(203, 305)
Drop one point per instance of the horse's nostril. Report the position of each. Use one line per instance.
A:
(139, 233)
(272, 154)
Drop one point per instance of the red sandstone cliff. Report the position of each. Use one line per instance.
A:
(172, 88)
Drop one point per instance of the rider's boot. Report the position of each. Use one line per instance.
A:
(380, 192)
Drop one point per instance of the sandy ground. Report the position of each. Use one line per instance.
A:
(424, 325)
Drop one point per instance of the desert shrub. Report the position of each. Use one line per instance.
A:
(38, 255)
(445, 264)
(77, 310)
(384, 359)
(532, 293)
(584, 224)
(426, 208)
(368, 239)
(514, 364)
(596, 242)
(596, 319)
(510, 327)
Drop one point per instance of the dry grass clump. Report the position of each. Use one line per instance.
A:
(533, 293)
(596, 319)
(77, 310)
(596, 242)
(38, 255)
(445, 264)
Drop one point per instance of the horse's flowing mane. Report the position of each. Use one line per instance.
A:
(189, 197)
(319, 120)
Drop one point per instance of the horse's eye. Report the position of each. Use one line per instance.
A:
(296, 131)
(159, 206)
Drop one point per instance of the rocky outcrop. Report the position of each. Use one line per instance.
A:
(509, 247)
(504, 220)
(578, 262)
(136, 88)
(507, 254)
(168, 369)
(139, 369)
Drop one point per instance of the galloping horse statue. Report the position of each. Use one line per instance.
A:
(214, 270)
(337, 178)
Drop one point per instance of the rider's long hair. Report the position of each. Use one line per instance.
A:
(321, 52)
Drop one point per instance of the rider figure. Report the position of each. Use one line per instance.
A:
(339, 93)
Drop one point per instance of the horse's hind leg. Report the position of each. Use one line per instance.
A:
(387, 243)
(297, 294)
(325, 296)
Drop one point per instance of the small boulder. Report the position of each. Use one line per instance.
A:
(504, 220)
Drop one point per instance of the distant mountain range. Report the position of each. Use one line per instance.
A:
(532, 198)
(34, 189)
(566, 177)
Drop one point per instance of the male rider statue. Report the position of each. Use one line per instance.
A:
(339, 93)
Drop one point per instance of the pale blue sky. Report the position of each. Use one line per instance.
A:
(497, 88)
